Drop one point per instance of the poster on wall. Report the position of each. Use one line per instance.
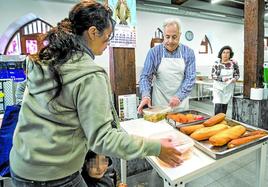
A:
(127, 107)
(124, 13)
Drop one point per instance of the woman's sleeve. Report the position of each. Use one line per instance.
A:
(215, 73)
(236, 71)
(92, 97)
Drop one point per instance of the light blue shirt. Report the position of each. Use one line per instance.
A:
(153, 61)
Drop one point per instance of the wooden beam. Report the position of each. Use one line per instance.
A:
(239, 4)
(253, 45)
(122, 71)
(178, 2)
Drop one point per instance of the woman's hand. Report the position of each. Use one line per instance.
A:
(233, 80)
(169, 154)
(225, 79)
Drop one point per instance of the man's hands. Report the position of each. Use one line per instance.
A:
(169, 154)
(174, 101)
(144, 101)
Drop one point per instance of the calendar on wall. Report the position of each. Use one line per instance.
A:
(124, 14)
(127, 106)
(124, 37)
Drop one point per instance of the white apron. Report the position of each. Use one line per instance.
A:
(168, 79)
(223, 91)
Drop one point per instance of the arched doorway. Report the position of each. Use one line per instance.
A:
(23, 36)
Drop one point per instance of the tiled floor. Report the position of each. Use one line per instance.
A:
(239, 173)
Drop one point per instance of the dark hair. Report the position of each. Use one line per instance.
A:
(62, 40)
(226, 47)
(90, 155)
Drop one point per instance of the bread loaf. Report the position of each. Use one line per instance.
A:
(207, 132)
(224, 122)
(255, 132)
(244, 140)
(227, 135)
(214, 120)
(190, 129)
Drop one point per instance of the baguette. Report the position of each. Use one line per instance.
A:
(214, 120)
(255, 132)
(244, 140)
(227, 135)
(190, 129)
(206, 132)
(224, 122)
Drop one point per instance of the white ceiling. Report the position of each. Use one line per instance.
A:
(200, 9)
(192, 8)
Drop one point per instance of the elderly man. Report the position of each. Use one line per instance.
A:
(172, 65)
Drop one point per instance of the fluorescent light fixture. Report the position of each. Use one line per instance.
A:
(239, 2)
(161, 6)
(214, 14)
(266, 14)
(215, 1)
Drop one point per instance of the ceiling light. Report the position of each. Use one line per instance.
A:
(161, 6)
(215, 1)
(214, 14)
(239, 2)
(266, 14)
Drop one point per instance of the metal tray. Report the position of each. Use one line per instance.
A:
(223, 151)
(195, 112)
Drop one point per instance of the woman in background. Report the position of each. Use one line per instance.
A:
(225, 72)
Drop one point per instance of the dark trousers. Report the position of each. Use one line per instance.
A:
(220, 108)
(74, 180)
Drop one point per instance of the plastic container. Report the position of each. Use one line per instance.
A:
(156, 113)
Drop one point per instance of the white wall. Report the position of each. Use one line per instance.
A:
(11, 10)
(219, 33)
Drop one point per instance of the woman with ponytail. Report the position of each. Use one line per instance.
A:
(67, 108)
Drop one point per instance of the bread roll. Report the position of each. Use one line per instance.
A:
(214, 120)
(227, 135)
(207, 132)
(190, 129)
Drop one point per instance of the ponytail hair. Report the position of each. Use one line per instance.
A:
(62, 40)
